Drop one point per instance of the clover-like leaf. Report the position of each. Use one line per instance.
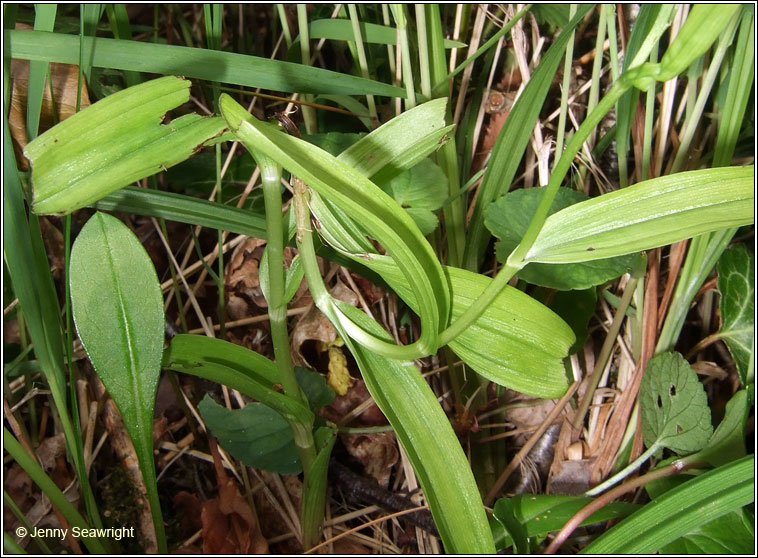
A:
(675, 412)
(736, 283)
(508, 218)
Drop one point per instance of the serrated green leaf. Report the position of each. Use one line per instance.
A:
(508, 218)
(736, 283)
(117, 307)
(114, 142)
(680, 510)
(675, 412)
(646, 215)
(256, 435)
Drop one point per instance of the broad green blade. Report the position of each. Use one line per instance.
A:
(680, 510)
(517, 342)
(114, 142)
(211, 65)
(649, 214)
(117, 306)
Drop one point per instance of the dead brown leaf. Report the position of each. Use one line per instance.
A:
(377, 452)
(229, 525)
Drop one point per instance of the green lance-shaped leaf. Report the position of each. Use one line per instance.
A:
(118, 311)
(649, 214)
(736, 283)
(114, 142)
(377, 212)
(680, 510)
(675, 412)
(703, 26)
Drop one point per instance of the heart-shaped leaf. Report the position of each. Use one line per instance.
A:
(509, 217)
(675, 412)
(420, 190)
(736, 283)
(117, 306)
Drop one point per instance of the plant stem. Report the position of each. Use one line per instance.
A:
(311, 518)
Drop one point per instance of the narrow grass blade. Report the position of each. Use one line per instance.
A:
(649, 214)
(341, 30)
(211, 65)
(678, 511)
(114, 142)
(118, 311)
(44, 20)
(184, 209)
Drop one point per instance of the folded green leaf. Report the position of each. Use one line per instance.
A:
(117, 306)
(732, 533)
(420, 190)
(375, 210)
(236, 367)
(728, 440)
(675, 412)
(439, 462)
(680, 510)
(508, 218)
(736, 283)
(542, 513)
(114, 142)
(649, 214)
